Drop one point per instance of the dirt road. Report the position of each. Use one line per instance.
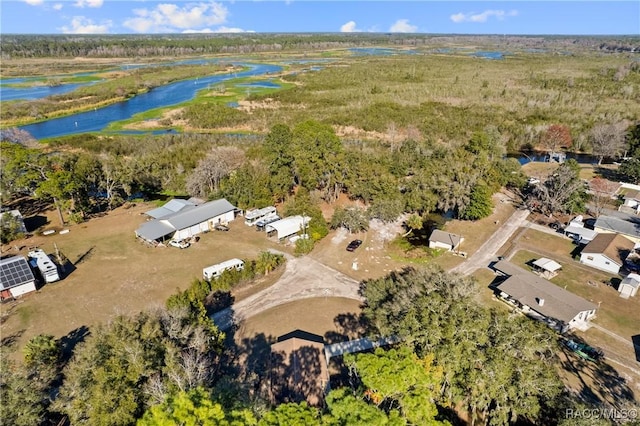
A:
(303, 278)
(487, 251)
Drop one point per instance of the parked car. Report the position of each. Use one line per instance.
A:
(182, 244)
(353, 245)
(221, 227)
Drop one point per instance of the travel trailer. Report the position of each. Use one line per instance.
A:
(214, 271)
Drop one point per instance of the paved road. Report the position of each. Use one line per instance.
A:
(303, 278)
(482, 257)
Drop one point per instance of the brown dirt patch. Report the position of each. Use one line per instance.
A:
(318, 315)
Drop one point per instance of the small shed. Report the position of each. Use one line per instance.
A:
(444, 240)
(546, 268)
(629, 286)
(16, 277)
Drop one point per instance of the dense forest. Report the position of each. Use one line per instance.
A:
(34, 46)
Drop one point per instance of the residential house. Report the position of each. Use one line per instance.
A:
(444, 240)
(16, 277)
(298, 369)
(187, 222)
(629, 286)
(607, 252)
(542, 300)
(624, 224)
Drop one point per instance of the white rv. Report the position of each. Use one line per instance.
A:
(47, 268)
(253, 216)
(214, 271)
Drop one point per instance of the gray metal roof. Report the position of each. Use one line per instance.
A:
(628, 225)
(445, 237)
(15, 271)
(153, 230)
(193, 216)
(528, 289)
(169, 208)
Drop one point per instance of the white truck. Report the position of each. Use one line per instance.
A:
(214, 271)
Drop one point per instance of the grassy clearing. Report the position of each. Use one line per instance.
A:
(115, 274)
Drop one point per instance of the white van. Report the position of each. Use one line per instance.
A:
(214, 271)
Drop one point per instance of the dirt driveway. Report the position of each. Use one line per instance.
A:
(303, 278)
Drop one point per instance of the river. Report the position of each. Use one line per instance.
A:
(159, 97)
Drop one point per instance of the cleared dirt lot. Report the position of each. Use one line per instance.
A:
(115, 273)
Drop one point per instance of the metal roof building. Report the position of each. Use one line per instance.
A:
(171, 207)
(188, 221)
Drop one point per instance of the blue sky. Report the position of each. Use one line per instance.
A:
(439, 17)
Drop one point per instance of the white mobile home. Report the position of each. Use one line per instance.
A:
(43, 263)
(288, 226)
(16, 277)
(251, 217)
(214, 271)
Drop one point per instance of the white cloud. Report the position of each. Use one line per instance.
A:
(57, 6)
(403, 26)
(222, 29)
(34, 2)
(88, 3)
(82, 25)
(169, 17)
(483, 16)
(349, 27)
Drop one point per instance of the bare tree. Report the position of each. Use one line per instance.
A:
(558, 193)
(219, 163)
(608, 140)
(602, 191)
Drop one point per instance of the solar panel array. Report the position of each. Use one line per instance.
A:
(15, 271)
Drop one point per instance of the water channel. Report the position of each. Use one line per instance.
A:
(170, 94)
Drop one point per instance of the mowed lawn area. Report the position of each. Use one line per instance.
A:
(116, 274)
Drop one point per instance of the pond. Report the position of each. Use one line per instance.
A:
(159, 97)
